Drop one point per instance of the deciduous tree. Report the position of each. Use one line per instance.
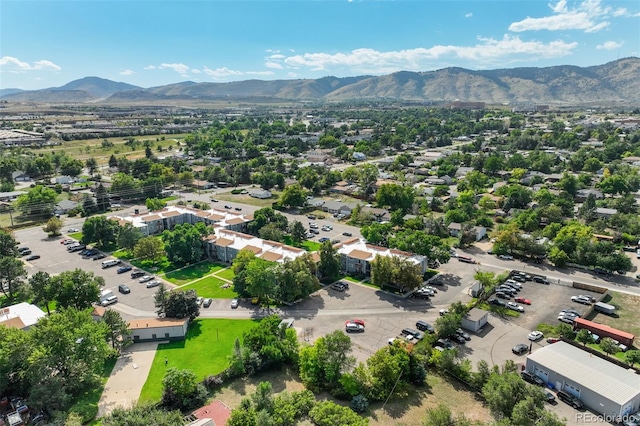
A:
(149, 248)
(53, 227)
(118, 331)
(76, 289)
(100, 230)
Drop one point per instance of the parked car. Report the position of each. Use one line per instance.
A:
(23, 249)
(464, 334)
(99, 256)
(323, 239)
(311, 217)
(227, 207)
(154, 283)
(515, 307)
(199, 300)
(503, 295)
(234, 303)
(207, 302)
(145, 279)
(25, 252)
(553, 339)
(522, 300)
(356, 321)
(425, 326)
(548, 396)
(570, 311)
(33, 257)
(528, 376)
(497, 302)
(585, 300)
(443, 312)
(347, 234)
(566, 319)
(124, 268)
(124, 289)
(535, 335)
(443, 343)
(458, 339)
(412, 332)
(540, 280)
(505, 257)
(520, 348)
(137, 273)
(109, 301)
(72, 230)
(340, 286)
(352, 327)
(238, 209)
(567, 398)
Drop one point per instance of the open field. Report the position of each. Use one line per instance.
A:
(205, 350)
(407, 411)
(192, 272)
(226, 274)
(247, 199)
(87, 148)
(626, 317)
(211, 287)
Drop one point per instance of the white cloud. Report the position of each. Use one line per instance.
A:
(468, 15)
(609, 45)
(126, 72)
(221, 72)
(150, 67)
(274, 65)
(292, 74)
(260, 73)
(195, 71)
(181, 69)
(589, 16)
(488, 51)
(9, 63)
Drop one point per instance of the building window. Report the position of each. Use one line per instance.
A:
(153, 336)
(166, 335)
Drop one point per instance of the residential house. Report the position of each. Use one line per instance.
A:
(10, 196)
(21, 315)
(202, 184)
(343, 187)
(64, 206)
(154, 329)
(359, 156)
(463, 171)
(583, 194)
(262, 194)
(65, 180)
(380, 215)
(605, 213)
(454, 229)
(20, 176)
(317, 156)
(338, 207)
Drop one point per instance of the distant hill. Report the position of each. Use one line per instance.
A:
(614, 83)
(9, 91)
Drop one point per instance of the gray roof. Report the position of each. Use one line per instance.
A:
(614, 383)
(475, 314)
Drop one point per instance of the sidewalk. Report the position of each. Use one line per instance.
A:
(127, 378)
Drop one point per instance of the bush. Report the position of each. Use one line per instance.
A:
(360, 403)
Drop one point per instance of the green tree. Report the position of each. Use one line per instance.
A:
(41, 289)
(180, 389)
(447, 324)
(261, 279)
(395, 197)
(71, 167)
(609, 346)
(329, 265)
(632, 357)
(118, 332)
(322, 364)
(100, 230)
(182, 304)
(296, 278)
(142, 415)
(160, 299)
(89, 205)
(271, 232)
(76, 289)
(293, 196)
(126, 187)
(8, 244)
(184, 243)
(583, 336)
(92, 165)
(328, 413)
(439, 416)
(102, 199)
(154, 204)
(297, 231)
(149, 249)
(503, 391)
(128, 236)
(12, 274)
(53, 227)
(38, 201)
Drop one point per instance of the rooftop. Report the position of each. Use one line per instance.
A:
(612, 382)
(20, 315)
(358, 248)
(268, 250)
(155, 322)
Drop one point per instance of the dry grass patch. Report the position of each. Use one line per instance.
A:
(407, 411)
(626, 316)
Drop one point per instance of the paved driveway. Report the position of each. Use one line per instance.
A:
(127, 378)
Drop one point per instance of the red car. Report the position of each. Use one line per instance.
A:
(522, 300)
(355, 321)
(553, 339)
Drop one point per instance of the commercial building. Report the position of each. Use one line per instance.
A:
(474, 320)
(602, 386)
(152, 329)
(356, 256)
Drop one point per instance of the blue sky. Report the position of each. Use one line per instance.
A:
(151, 43)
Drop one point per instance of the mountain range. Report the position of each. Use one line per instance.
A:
(614, 83)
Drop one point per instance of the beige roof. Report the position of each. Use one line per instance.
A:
(223, 242)
(254, 249)
(359, 254)
(171, 214)
(151, 218)
(98, 311)
(235, 221)
(155, 322)
(271, 256)
(215, 217)
(15, 322)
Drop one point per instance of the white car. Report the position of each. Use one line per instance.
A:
(585, 300)
(72, 230)
(154, 283)
(505, 257)
(145, 278)
(234, 303)
(515, 307)
(567, 319)
(199, 300)
(535, 336)
(443, 312)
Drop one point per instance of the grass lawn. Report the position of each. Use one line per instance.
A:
(75, 235)
(353, 279)
(192, 272)
(626, 317)
(308, 245)
(160, 268)
(227, 274)
(87, 403)
(247, 199)
(208, 344)
(211, 287)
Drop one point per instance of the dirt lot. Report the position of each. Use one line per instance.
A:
(406, 411)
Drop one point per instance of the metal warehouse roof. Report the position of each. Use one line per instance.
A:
(614, 383)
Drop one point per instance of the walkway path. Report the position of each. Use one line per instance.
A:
(130, 373)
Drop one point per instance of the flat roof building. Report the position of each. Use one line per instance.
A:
(356, 256)
(602, 386)
(22, 315)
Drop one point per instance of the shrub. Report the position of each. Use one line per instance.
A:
(360, 403)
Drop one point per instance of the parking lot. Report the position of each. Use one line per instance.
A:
(55, 259)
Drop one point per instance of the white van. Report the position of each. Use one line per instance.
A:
(109, 301)
(110, 263)
(105, 294)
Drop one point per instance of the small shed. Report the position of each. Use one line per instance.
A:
(476, 289)
(475, 320)
(153, 329)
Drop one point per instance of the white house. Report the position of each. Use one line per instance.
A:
(22, 315)
(151, 329)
